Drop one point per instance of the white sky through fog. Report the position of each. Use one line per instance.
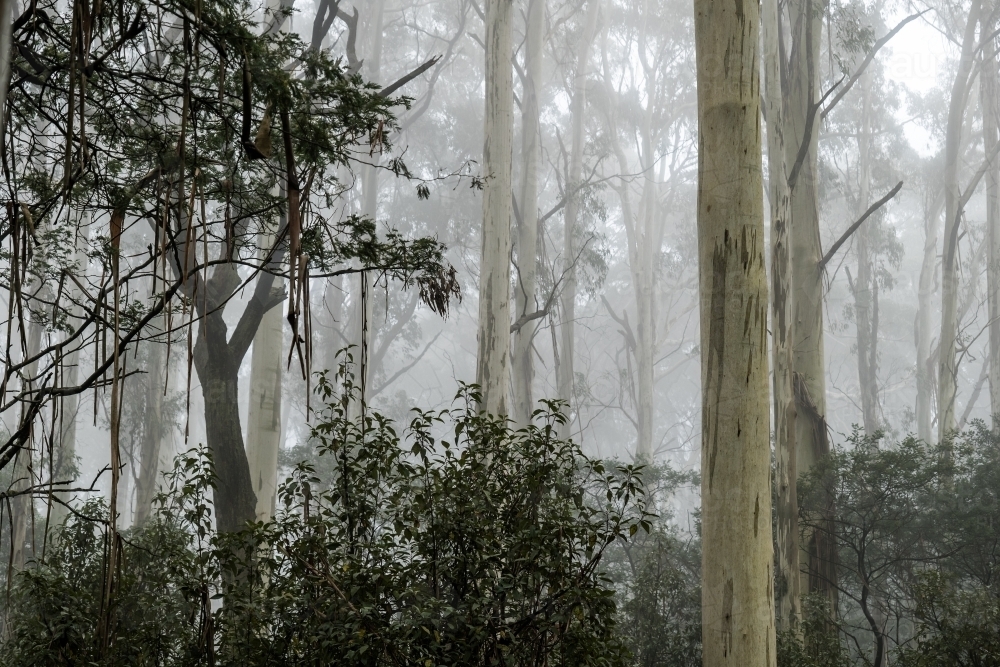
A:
(917, 57)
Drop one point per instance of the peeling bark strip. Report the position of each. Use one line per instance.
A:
(737, 587)
(788, 599)
(492, 368)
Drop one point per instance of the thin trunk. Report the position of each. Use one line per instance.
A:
(864, 286)
(808, 363)
(527, 238)
(566, 379)
(737, 583)
(64, 467)
(21, 506)
(947, 355)
(787, 582)
(645, 294)
(989, 89)
(364, 303)
(492, 362)
(154, 429)
(923, 328)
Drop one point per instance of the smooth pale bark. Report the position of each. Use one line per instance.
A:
(566, 375)
(787, 581)
(989, 88)
(645, 292)
(155, 428)
(864, 288)
(808, 361)
(64, 467)
(947, 354)
(737, 553)
(492, 362)
(264, 415)
(527, 232)
(923, 328)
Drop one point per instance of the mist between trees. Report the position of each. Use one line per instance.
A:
(482, 332)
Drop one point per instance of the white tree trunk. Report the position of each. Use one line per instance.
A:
(923, 329)
(64, 467)
(492, 363)
(865, 295)
(264, 418)
(989, 88)
(155, 428)
(947, 359)
(566, 377)
(808, 361)
(787, 582)
(527, 238)
(737, 557)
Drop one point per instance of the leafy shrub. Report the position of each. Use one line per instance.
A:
(480, 548)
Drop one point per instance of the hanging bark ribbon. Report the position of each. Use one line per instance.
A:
(296, 276)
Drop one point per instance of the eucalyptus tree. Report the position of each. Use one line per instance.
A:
(954, 202)
(170, 147)
(737, 584)
(493, 358)
(647, 105)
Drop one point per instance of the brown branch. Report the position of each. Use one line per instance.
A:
(857, 223)
(399, 83)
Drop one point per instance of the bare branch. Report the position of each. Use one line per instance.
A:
(399, 83)
(857, 223)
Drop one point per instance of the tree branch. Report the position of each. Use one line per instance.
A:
(405, 369)
(793, 175)
(857, 223)
(399, 83)
(868, 59)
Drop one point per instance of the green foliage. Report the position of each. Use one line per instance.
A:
(460, 542)
(918, 545)
(956, 626)
(658, 576)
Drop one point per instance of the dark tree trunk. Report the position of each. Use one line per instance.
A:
(235, 502)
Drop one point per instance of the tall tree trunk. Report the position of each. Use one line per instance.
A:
(645, 294)
(787, 581)
(864, 288)
(264, 415)
(566, 378)
(923, 329)
(737, 583)
(947, 356)
(364, 302)
(808, 362)
(64, 467)
(989, 88)
(235, 502)
(527, 237)
(492, 363)
(155, 428)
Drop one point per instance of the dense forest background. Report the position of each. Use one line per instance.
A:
(241, 240)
